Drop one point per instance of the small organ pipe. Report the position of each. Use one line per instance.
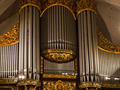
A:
(34, 42)
(86, 46)
(30, 43)
(38, 46)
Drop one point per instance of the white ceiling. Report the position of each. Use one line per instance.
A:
(4, 4)
(110, 13)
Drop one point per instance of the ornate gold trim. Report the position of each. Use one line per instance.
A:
(69, 4)
(59, 76)
(99, 85)
(29, 82)
(90, 84)
(59, 85)
(6, 87)
(76, 66)
(8, 81)
(105, 45)
(110, 85)
(59, 55)
(41, 66)
(83, 5)
(10, 38)
(25, 3)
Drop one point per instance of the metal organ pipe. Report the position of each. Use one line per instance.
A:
(26, 43)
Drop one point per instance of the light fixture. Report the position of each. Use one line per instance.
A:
(107, 78)
(21, 77)
(116, 78)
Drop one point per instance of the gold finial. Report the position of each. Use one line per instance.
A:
(24, 3)
(83, 5)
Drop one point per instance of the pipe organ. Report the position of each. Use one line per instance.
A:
(51, 43)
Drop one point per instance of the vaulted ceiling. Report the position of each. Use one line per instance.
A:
(108, 18)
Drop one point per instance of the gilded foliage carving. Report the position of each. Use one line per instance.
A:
(105, 45)
(68, 3)
(29, 82)
(86, 5)
(11, 37)
(59, 85)
(59, 55)
(24, 3)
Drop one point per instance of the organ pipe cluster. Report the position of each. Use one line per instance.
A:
(9, 61)
(29, 46)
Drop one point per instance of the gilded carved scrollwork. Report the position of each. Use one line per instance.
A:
(24, 3)
(89, 84)
(69, 4)
(99, 85)
(59, 55)
(8, 81)
(11, 37)
(29, 82)
(83, 5)
(105, 45)
(59, 85)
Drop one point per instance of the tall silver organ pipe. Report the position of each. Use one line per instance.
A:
(9, 61)
(88, 47)
(29, 61)
(58, 29)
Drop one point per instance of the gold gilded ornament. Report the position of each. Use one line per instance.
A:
(59, 76)
(83, 5)
(59, 85)
(59, 55)
(10, 38)
(90, 84)
(69, 4)
(29, 82)
(105, 45)
(24, 3)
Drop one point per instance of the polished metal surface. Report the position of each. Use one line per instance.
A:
(60, 28)
(88, 51)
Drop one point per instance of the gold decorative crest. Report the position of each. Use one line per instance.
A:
(58, 85)
(41, 65)
(110, 85)
(59, 55)
(6, 87)
(10, 38)
(29, 82)
(24, 3)
(89, 84)
(83, 5)
(69, 4)
(8, 80)
(105, 45)
(59, 76)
